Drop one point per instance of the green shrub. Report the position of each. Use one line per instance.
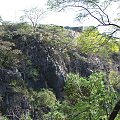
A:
(92, 42)
(54, 116)
(8, 56)
(114, 78)
(89, 97)
(44, 98)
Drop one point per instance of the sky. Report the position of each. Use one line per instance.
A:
(11, 10)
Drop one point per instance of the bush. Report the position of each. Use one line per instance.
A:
(8, 56)
(89, 97)
(54, 116)
(114, 78)
(44, 98)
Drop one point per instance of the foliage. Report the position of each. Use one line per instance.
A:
(5, 118)
(64, 3)
(17, 28)
(44, 98)
(57, 37)
(9, 56)
(92, 42)
(118, 117)
(114, 78)
(59, 111)
(85, 98)
(89, 97)
(23, 28)
(19, 86)
(33, 72)
(54, 116)
(73, 81)
(25, 117)
(89, 9)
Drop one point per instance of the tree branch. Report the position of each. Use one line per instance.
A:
(100, 11)
(115, 111)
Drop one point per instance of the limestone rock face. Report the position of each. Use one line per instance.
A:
(50, 65)
(10, 105)
(51, 71)
(42, 67)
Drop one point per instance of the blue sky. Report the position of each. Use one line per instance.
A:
(11, 10)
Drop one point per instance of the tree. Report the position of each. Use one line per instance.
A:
(91, 41)
(95, 9)
(89, 97)
(33, 15)
(89, 8)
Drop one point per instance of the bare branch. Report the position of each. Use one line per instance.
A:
(101, 10)
(34, 15)
(88, 5)
(89, 13)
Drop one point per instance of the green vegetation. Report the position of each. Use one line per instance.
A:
(58, 37)
(30, 52)
(44, 98)
(85, 98)
(9, 56)
(89, 98)
(114, 78)
(92, 42)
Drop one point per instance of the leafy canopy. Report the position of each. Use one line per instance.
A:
(91, 41)
(64, 3)
(87, 9)
(88, 97)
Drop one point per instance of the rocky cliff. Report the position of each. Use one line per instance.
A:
(40, 66)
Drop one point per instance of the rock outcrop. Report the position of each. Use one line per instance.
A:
(40, 67)
(51, 71)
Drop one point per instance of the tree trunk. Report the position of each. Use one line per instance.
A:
(115, 111)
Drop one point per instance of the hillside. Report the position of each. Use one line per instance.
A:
(51, 74)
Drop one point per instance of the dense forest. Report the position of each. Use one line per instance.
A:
(50, 72)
